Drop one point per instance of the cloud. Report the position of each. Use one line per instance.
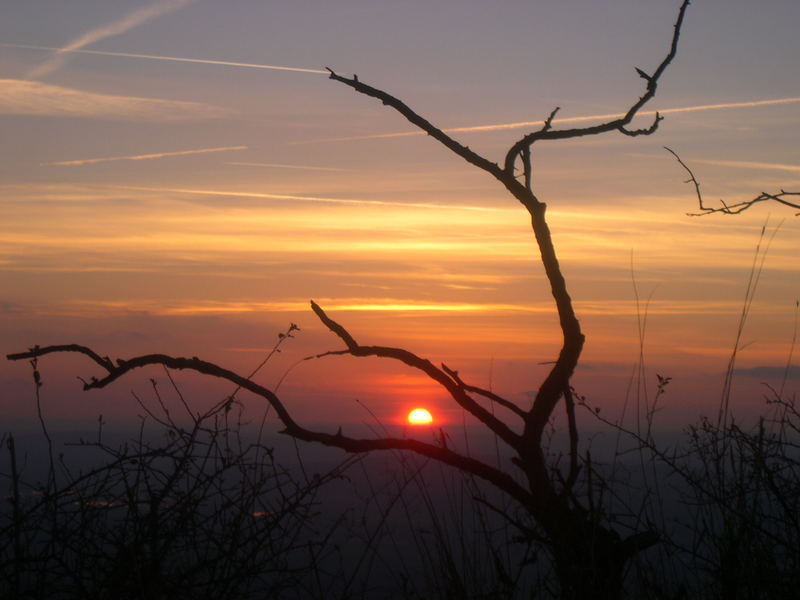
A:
(403, 305)
(20, 97)
(301, 305)
(126, 23)
(89, 161)
(751, 165)
(604, 117)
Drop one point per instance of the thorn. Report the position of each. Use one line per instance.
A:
(643, 75)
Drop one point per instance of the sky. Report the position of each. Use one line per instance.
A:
(181, 176)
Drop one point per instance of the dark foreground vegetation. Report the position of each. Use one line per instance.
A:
(200, 506)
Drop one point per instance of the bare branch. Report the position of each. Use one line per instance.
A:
(644, 130)
(334, 326)
(36, 351)
(617, 124)
(485, 393)
(692, 179)
(573, 439)
(463, 151)
(498, 478)
(456, 390)
(525, 156)
(734, 209)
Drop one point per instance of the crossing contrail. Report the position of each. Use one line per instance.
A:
(125, 23)
(202, 61)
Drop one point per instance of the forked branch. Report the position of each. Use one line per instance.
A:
(485, 393)
(452, 384)
(620, 124)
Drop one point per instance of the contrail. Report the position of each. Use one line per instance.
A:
(313, 199)
(90, 161)
(201, 61)
(126, 23)
(520, 124)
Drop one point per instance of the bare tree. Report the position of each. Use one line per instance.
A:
(589, 555)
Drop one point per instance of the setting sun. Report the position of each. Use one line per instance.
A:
(419, 416)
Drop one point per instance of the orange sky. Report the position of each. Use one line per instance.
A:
(157, 206)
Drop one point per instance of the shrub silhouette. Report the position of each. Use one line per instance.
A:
(193, 509)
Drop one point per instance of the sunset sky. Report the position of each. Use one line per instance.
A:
(195, 206)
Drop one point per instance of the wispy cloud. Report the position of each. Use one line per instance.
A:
(280, 166)
(743, 164)
(126, 23)
(603, 117)
(402, 305)
(21, 97)
(202, 61)
(302, 305)
(90, 161)
(361, 306)
(323, 199)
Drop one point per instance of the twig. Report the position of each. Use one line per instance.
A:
(781, 197)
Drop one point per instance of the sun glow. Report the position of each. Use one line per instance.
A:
(420, 416)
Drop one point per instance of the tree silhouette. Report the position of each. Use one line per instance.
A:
(589, 555)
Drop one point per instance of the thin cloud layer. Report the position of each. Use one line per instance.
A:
(21, 97)
(126, 23)
(745, 164)
(321, 199)
(282, 166)
(91, 161)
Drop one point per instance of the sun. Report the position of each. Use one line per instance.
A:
(420, 416)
